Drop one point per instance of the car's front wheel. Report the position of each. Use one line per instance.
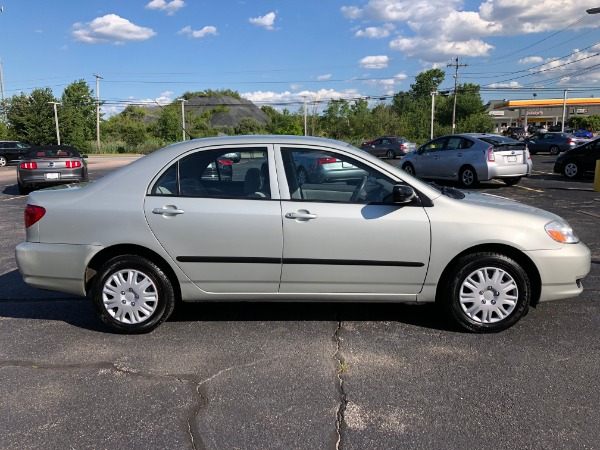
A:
(554, 150)
(132, 294)
(486, 292)
(571, 170)
(468, 177)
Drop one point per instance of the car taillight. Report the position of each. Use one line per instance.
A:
(225, 162)
(403, 146)
(322, 161)
(490, 154)
(29, 165)
(571, 141)
(33, 213)
(72, 164)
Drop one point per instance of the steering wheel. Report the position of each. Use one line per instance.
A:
(358, 189)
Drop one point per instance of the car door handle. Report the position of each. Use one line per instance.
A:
(459, 154)
(300, 215)
(168, 211)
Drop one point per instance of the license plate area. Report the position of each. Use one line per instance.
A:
(512, 159)
(52, 176)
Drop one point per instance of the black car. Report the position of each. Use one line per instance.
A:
(11, 150)
(552, 142)
(389, 146)
(573, 163)
(50, 165)
(518, 133)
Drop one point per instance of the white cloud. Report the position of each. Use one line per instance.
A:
(110, 29)
(388, 85)
(531, 60)
(197, 34)
(170, 7)
(511, 85)
(316, 99)
(351, 12)
(434, 50)
(375, 32)
(265, 21)
(374, 62)
(581, 67)
(324, 77)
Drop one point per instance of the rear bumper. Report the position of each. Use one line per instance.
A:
(56, 267)
(515, 170)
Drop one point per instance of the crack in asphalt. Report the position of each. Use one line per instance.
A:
(201, 399)
(341, 412)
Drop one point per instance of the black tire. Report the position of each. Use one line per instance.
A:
(511, 181)
(302, 176)
(122, 281)
(391, 154)
(468, 177)
(23, 190)
(489, 309)
(409, 169)
(3, 161)
(571, 169)
(554, 150)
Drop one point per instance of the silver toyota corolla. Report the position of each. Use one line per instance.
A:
(158, 230)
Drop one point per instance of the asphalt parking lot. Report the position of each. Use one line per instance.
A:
(312, 376)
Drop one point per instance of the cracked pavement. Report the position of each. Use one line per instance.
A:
(302, 376)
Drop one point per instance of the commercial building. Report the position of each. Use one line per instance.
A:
(544, 112)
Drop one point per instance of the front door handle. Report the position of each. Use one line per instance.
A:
(302, 215)
(168, 211)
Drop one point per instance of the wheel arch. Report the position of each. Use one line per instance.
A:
(108, 253)
(521, 258)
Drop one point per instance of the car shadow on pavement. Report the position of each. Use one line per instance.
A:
(20, 301)
(11, 190)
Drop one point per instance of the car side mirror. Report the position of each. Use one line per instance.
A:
(84, 156)
(403, 193)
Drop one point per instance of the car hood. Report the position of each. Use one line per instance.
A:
(503, 203)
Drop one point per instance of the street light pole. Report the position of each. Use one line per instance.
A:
(597, 171)
(56, 120)
(433, 94)
(98, 78)
(562, 125)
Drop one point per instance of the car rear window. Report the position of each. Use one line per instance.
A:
(53, 153)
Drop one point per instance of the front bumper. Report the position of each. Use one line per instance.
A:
(562, 270)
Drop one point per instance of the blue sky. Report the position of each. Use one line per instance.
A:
(283, 52)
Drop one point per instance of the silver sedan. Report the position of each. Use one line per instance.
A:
(158, 231)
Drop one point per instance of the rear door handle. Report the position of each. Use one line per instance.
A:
(173, 211)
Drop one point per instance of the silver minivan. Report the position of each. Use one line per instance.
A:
(470, 158)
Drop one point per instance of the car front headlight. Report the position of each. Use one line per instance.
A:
(561, 232)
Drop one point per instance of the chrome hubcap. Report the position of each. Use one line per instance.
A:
(571, 170)
(130, 296)
(488, 295)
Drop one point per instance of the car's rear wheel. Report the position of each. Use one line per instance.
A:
(391, 154)
(132, 294)
(487, 292)
(3, 161)
(511, 181)
(571, 170)
(468, 177)
(554, 150)
(409, 168)
(23, 190)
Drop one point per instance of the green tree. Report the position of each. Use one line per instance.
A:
(248, 125)
(128, 126)
(31, 117)
(77, 115)
(427, 82)
(169, 125)
(282, 122)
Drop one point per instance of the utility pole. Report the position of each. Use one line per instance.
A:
(433, 94)
(2, 83)
(98, 78)
(564, 115)
(183, 100)
(456, 65)
(305, 128)
(56, 120)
